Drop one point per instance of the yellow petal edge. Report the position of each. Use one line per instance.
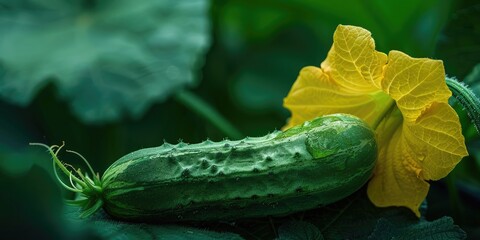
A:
(405, 99)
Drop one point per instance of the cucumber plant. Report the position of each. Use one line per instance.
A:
(310, 165)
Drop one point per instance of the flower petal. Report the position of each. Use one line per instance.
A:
(436, 141)
(394, 183)
(427, 149)
(353, 62)
(414, 83)
(314, 94)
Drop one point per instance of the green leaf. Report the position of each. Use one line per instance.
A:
(298, 230)
(104, 227)
(357, 218)
(354, 217)
(106, 58)
(439, 229)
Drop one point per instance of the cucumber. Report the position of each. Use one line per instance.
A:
(310, 165)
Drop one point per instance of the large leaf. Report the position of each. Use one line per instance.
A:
(298, 230)
(442, 228)
(104, 227)
(365, 221)
(354, 217)
(106, 58)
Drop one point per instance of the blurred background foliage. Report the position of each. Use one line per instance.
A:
(111, 77)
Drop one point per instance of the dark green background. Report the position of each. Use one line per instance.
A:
(242, 62)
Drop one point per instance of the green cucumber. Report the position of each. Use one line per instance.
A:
(314, 164)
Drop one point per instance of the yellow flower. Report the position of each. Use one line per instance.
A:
(404, 99)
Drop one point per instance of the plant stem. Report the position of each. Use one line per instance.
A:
(205, 110)
(467, 99)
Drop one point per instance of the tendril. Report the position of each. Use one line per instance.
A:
(80, 183)
(71, 182)
(61, 181)
(84, 160)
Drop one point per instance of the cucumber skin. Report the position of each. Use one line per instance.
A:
(317, 163)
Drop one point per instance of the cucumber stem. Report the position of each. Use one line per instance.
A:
(206, 111)
(90, 190)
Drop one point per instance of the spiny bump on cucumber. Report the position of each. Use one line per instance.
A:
(186, 173)
(204, 164)
(214, 169)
